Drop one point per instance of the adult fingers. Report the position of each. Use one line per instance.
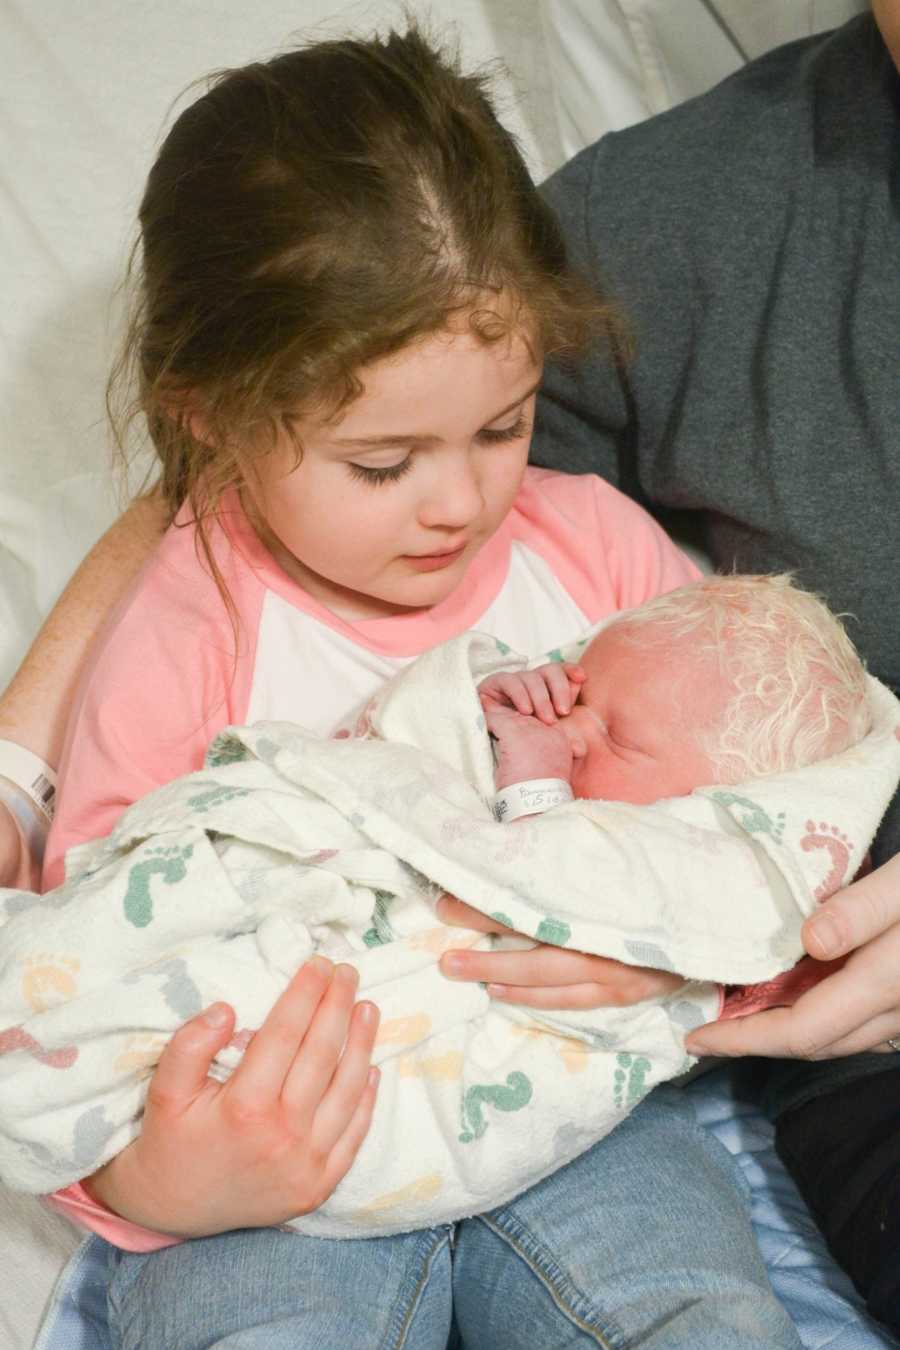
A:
(831, 1014)
(551, 967)
(458, 914)
(261, 1074)
(183, 1069)
(871, 1036)
(856, 914)
(348, 1084)
(563, 998)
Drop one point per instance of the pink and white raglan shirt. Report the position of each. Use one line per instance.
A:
(166, 677)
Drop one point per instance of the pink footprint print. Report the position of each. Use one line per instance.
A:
(16, 1038)
(837, 845)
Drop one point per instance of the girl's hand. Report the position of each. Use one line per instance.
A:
(547, 692)
(17, 868)
(547, 977)
(274, 1140)
(854, 1010)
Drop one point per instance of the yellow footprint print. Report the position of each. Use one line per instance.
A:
(141, 1053)
(404, 1030)
(49, 980)
(424, 1189)
(445, 1068)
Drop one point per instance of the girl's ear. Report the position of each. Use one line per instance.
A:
(185, 408)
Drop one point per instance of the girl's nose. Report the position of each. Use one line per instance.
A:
(455, 497)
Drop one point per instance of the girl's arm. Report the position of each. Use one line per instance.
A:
(35, 706)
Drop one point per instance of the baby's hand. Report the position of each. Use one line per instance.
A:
(524, 747)
(548, 692)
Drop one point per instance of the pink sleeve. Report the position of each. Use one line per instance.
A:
(607, 551)
(641, 558)
(163, 681)
(77, 1206)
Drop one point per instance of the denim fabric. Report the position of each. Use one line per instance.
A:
(644, 1240)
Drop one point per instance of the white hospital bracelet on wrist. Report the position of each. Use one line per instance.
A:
(29, 772)
(531, 798)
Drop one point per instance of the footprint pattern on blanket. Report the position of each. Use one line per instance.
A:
(554, 931)
(381, 931)
(167, 863)
(835, 843)
(48, 980)
(226, 750)
(754, 819)
(512, 1095)
(140, 1054)
(216, 795)
(629, 1084)
(420, 1191)
(17, 1038)
(404, 1030)
(447, 1068)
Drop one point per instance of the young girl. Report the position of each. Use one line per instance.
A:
(348, 288)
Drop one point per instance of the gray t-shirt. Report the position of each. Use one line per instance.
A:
(751, 239)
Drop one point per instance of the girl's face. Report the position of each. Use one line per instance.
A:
(392, 500)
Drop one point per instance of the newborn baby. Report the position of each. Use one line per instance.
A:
(221, 884)
(717, 682)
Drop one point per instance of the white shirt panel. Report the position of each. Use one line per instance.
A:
(308, 673)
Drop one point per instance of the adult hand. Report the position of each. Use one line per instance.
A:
(547, 977)
(857, 1008)
(273, 1141)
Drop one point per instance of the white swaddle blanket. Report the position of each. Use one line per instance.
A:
(221, 884)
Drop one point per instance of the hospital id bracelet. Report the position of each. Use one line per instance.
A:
(531, 798)
(31, 775)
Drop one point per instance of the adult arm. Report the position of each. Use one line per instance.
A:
(35, 706)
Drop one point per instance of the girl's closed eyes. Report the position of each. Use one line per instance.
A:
(389, 473)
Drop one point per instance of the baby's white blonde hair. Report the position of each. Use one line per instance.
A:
(799, 684)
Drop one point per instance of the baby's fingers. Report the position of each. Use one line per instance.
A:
(562, 682)
(509, 689)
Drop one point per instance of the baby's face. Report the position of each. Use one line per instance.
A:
(634, 728)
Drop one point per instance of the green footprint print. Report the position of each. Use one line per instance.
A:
(754, 820)
(215, 795)
(555, 931)
(168, 863)
(628, 1080)
(381, 932)
(512, 1096)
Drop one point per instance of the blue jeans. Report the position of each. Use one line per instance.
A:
(643, 1240)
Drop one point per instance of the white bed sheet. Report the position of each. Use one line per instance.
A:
(82, 103)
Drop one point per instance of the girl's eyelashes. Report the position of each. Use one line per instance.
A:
(493, 435)
(389, 473)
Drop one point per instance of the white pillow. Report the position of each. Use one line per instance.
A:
(614, 62)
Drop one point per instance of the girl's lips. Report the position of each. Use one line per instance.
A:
(432, 562)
